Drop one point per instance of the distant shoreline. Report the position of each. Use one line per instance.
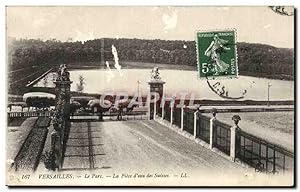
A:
(145, 65)
(128, 65)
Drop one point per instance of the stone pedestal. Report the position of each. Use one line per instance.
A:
(233, 138)
(156, 86)
(63, 97)
(62, 117)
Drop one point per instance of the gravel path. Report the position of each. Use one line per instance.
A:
(137, 146)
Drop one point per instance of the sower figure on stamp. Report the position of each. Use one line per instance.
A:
(214, 50)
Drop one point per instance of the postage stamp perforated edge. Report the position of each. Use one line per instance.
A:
(236, 55)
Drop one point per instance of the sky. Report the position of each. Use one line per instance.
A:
(253, 24)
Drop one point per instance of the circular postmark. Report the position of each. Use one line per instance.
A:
(228, 89)
(283, 10)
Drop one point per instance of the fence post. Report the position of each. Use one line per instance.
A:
(236, 119)
(211, 132)
(172, 105)
(211, 128)
(171, 119)
(182, 111)
(163, 110)
(195, 123)
(154, 107)
(232, 142)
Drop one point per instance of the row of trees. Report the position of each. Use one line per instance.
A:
(255, 59)
(266, 61)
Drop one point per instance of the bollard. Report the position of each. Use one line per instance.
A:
(236, 119)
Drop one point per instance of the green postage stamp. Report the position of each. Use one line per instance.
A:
(217, 54)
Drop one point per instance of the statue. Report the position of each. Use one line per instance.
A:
(236, 119)
(155, 74)
(63, 74)
(59, 72)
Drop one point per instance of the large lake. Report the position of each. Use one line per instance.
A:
(102, 81)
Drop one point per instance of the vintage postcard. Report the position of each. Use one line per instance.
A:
(150, 96)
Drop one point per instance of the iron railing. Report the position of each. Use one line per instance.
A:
(159, 110)
(221, 136)
(177, 116)
(30, 114)
(132, 115)
(203, 128)
(262, 155)
(188, 121)
(167, 115)
(256, 152)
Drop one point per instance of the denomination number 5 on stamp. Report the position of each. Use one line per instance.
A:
(216, 54)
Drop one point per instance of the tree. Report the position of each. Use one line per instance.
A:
(80, 85)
